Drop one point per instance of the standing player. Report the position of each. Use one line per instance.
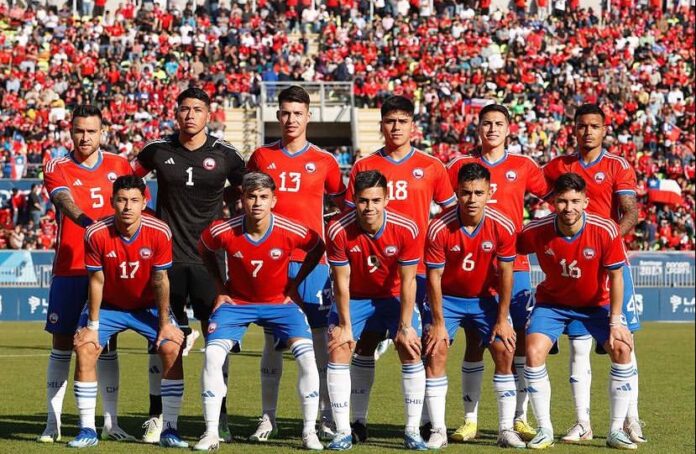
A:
(611, 188)
(512, 176)
(127, 256)
(414, 181)
(192, 170)
(80, 187)
(581, 255)
(303, 173)
(469, 254)
(259, 246)
(374, 255)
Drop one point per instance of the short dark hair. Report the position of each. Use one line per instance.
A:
(397, 103)
(294, 93)
(129, 182)
(195, 93)
(589, 109)
(86, 110)
(569, 182)
(369, 179)
(253, 181)
(495, 108)
(473, 171)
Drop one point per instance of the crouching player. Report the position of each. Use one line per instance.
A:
(127, 256)
(463, 245)
(258, 245)
(581, 255)
(374, 254)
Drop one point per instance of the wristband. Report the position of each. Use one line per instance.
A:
(93, 325)
(617, 320)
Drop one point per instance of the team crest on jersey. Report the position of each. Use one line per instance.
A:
(53, 318)
(418, 173)
(487, 246)
(275, 253)
(111, 176)
(588, 253)
(212, 326)
(145, 253)
(390, 251)
(209, 163)
(600, 177)
(511, 175)
(310, 167)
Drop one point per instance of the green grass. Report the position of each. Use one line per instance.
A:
(665, 354)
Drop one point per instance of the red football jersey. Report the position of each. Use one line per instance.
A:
(373, 260)
(575, 268)
(301, 181)
(90, 189)
(608, 177)
(127, 264)
(512, 177)
(413, 182)
(258, 270)
(468, 259)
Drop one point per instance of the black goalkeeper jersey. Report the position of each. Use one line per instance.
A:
(190, 186)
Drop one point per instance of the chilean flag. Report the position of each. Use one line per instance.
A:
(664, 191)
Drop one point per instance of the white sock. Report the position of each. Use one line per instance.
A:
(107, 377)
(172, 395)
(154, 374)
(86, 399)
(581, 376)
(271, 371)
(321, 353)
(213, 387)
(539, 389)
(338, 382)
(413, 386)
(620, 391)
(633, 404)
(436, 399)
(56, 384)
(307, 383)
(472, 377)
(362, 376)
(506, 393)
(522, 399)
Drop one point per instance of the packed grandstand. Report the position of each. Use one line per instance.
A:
(636, 60)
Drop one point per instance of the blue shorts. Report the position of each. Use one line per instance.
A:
(377, 316)
(577, 329)
(315, 291)
(476, 313)
(286, 321)
(421, 291)
(521, 301)
(553, 320)
(66, 298)
(113, 320)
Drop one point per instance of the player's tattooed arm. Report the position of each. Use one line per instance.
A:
(629, 211)
(159, 281)
(64, 202)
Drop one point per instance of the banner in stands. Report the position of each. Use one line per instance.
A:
(664, 284)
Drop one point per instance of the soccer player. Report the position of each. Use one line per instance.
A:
(303, 174)
(611, 189)
(469, 253)
(581, 255)
(192, 170)
(259, 245)
(414, 181)
(374, 254)
(80, 187)
(512, 177)
(127, 256)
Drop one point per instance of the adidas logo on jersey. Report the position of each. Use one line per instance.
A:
(111, 255)
(238, 255)
(77, 183)
(456, 248)
(355, 248)
(169, 161)
(271, 166)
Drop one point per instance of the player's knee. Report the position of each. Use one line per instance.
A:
(437, 359)
(536, 353)
(340, 355)
(621, 353)
(169, 350)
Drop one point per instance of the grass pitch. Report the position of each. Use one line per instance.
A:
(665, 355)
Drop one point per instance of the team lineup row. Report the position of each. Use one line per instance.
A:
(383, 262)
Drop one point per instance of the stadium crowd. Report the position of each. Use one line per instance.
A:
(636, 61)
